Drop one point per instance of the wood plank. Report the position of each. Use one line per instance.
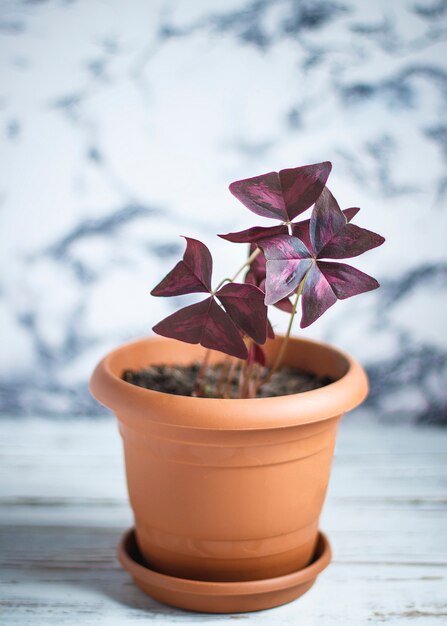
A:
(63, 507)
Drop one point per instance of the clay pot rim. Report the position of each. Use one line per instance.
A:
(230, 414)
(248, 587)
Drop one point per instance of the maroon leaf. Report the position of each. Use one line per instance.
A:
(302, 186)
(250, 279)
(288, 260)
(326, 221)
(328, 282)
(245, 305)
(256, 355)
(351, 212)
(282, 195)
(207, 324)
(350, 241)
(331, 235)
(191, 275)
(270, 331)
(284, 305)
(347, 281)
(262, 195)
(254, 234)
(283, 247)
(256, 272)
(301, 229)
(317, 296)
(328, 234)
(258, 264)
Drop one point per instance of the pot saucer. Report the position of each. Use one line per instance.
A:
(221, 597)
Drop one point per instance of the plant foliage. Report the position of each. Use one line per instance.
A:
(291, 259)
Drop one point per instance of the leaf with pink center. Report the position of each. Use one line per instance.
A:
(301, 229)
(283, 305)
(207, 324)
(349, 242)
(317, 296)
(288, 260)
(256, 276)
(346, 281)
(191, 275)
(285, 194)
(245, 305)
(326, 221)
(332, 237)
(328, 282)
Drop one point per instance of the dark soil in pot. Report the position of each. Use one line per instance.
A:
(181, 380)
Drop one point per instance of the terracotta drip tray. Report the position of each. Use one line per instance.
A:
(221, 597)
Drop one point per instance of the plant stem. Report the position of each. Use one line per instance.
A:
(230, 375)
(222, 377)
(247, 381)
(285, 341)
(253, 380)
(242, 375)
(251, 258)
(256, 384)
(198, 388)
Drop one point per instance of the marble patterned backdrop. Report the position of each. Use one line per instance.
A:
(121, 126)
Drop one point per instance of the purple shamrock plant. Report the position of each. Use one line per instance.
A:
(287, 260)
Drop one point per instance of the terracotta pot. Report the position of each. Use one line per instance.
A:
(228, 490)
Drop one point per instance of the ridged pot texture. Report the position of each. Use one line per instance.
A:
(228, 490)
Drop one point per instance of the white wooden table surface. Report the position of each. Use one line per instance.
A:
(64, 506)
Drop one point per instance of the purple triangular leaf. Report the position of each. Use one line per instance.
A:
(254, 234)
(301, 186)
(346, 281)
(191, 275)
(326, 221)
(287, 263)
(351, 212)
(256, 272)
(331, 235)
(317, 296)
(327, 282)
(262, 195)
(350, 241)
(283, 305)
(283, 247)
(207, 324)
(270, 331)
(245, 305)
(301, 229)
(282, 195)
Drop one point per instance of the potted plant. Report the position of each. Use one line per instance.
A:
(228, 461)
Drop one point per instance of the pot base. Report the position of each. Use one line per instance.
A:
(221, 597)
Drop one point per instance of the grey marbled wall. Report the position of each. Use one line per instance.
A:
(121, 126)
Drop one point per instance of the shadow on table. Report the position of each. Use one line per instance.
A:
(81, 558)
